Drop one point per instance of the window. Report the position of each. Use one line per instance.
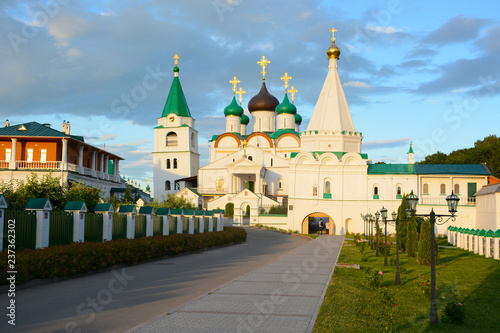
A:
(426, 189)
(30, 155)
(271, 162)
(8, 154)
(399, 190)
(175, 163)
(443, 189)
(177, 185)
(168, 163)
(167, 185)
(280, 184)
(456, 189)
(43, 155)
(193, 144)
(375, 190)
(327, 186)
(285, 155)
(250, 158)
(171, 139)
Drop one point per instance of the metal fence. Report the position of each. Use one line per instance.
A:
(93, 227)
(61, 227)
(140, 226)
(25, 227)
(197, 221)
(172, 225)
(119, 226)
(207, 224)
(157, 225)
(215, 224)
(185, 225)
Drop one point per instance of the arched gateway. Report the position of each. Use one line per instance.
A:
(309, 224)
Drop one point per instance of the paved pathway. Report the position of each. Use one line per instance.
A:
(282, 296)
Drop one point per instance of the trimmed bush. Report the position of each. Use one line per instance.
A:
(77, 258)
(412, 238)
(424, 245)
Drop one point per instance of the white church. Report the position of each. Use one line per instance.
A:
(317, 172)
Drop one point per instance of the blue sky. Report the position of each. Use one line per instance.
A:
(421, 71)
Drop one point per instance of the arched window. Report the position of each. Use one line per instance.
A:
(250, 158)
(375, 190)
(167, 185)
(271, 162)
(280, 184)
(327, 186)
(285, 155)
(456, 189)
(175, 163)
(171, 139)
(426, 189)
(399, 190)
(193, 144)
(443, 189)
(168, 163)
(177, 185)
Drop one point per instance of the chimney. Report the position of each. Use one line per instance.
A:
(65, 127)
(7, 124)
(68, 127)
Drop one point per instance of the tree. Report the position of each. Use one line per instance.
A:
(278, 210)
(17, 193)
(247, 211)
(412, 238)
(424, 245)
(229, 210)
(81, 192)
(402, 227)
(127, 198)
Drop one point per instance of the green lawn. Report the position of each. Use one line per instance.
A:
(352, 306)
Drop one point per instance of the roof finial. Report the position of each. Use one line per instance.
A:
(263, 63)
(333, 34)
(240, 93)
(234, 82)
(292, 93)
(285, 78)
(176, 59)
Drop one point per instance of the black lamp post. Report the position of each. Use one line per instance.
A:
(383, 211)
(370, 219)
(395, 221)
(377, 215)
(452, 201)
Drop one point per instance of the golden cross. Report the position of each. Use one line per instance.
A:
(333, 34)
(285, 78)
(240, 93)
(234, 82)
(292, 92)
(263, 63)
(176, 59)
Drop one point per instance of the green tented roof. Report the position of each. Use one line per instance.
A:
(482, 232)
(497, 234)
(146, 210)
(74, 205)
(37, 203)
(176, 101)
(35, 129)
(209, 213)
(162, 211)
(104, 207)
(199, 212)
(455, 229)
(126, 209)
(391, 169)
(411, 149)
(476, 233)
(218, 211)
(176, 211)
(188, 212)
(489, 233)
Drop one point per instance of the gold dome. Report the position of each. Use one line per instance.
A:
(333, 51)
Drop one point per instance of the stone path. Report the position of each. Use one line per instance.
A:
(282, 296)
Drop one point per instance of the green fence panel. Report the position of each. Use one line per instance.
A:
(140, 226)
(61, 227)
(93, 227)
(25, 227)
(215, 224)
(157, 225)
(172, 225)
(119, 226)
(206, 224)
(196, 225)
(185, 225)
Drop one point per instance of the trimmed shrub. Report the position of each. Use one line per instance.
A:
(229, 210)
(77, 258)
(412, 238)
(424, 245)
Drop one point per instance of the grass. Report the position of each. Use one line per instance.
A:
(350, 305)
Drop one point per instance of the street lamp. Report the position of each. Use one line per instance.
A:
(383, 211)
(452, 201)
(370, 220)
(395, 220)
(377, 215)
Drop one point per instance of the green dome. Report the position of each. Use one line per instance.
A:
(298, 119)
(286, 107)
(176, 69)
(233, 109)
(244, 119)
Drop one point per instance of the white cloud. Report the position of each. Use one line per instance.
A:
(386, 30)
(357, 84)
(73, 53)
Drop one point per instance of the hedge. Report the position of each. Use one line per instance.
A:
(77, 258)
